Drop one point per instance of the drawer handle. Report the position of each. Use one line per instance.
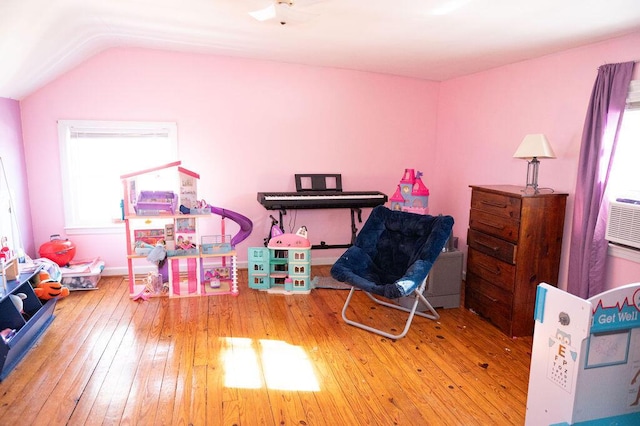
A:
(494, 204)
(490, 247)
(491, 225)
(492, 299)
(489, 269)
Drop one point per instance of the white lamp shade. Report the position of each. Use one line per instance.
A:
(535, 145)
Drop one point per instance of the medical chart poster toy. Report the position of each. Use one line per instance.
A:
(585, 364)
(562, 323)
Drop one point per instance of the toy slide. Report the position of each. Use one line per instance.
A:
(246, 226)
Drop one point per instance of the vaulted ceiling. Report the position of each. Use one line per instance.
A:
(427, 39)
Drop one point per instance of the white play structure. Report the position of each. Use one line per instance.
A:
(585, 363)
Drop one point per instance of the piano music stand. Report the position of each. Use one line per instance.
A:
(318, 182)
(325, 182)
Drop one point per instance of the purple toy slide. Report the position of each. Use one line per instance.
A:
(246, 226)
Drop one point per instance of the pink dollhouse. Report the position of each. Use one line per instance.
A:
(411, 195)
(152, 218)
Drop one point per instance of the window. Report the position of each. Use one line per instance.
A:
(93, 156)
(624, 180)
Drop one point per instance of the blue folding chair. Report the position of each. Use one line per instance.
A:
(392, 257)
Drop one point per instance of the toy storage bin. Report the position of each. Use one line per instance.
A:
(151, 203)
(28, 328)
(75, 280)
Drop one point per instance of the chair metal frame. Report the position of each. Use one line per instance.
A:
(418, 297)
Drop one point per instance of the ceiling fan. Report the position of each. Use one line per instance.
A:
(284, 12)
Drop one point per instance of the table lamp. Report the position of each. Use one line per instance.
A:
(531, 148)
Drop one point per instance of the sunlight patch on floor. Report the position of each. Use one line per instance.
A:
(275, 364)
(240, 361)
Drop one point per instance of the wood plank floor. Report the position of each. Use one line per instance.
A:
(262, 359)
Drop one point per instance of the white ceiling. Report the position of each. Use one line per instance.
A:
(428, 39)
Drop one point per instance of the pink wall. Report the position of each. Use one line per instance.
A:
(483, 117)
(245, 126)
(622, 271)
(248, 126)
(12, 153)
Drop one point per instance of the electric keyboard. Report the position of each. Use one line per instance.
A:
(322, 191)
(320, 199)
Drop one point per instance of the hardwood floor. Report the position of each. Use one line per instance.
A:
(261, 359)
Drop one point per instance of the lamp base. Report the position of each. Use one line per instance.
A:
(532, 175)
(532, 178)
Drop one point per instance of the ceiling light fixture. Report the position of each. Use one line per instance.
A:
(283, 12)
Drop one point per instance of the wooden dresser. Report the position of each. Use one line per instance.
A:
(515, 241)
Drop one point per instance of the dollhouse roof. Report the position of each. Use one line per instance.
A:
(408, 176)
(397, 196)
(163, 167)
(419, 188)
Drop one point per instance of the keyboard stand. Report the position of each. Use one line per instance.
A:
(323, 245)
(318, 185)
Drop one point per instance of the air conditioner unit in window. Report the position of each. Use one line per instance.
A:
(623, 224)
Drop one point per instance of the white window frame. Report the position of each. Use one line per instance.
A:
(124, 128)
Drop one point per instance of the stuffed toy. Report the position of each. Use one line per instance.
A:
(48, 288)
(17, 300)
(7, 334)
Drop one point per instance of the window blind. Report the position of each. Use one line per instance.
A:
(117, 133)
(633, 97)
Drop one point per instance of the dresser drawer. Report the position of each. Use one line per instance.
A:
(492, 246)
(491, 269)
(486, 305)
(497, 204)
(501, 300)
(501, 227)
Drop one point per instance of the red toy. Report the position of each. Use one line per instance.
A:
(58, 250)
(5, 252)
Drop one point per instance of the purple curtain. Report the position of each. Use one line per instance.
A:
(588, 253)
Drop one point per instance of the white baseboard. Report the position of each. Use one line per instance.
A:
(323, 260)
(122, 270)
(145, 269)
